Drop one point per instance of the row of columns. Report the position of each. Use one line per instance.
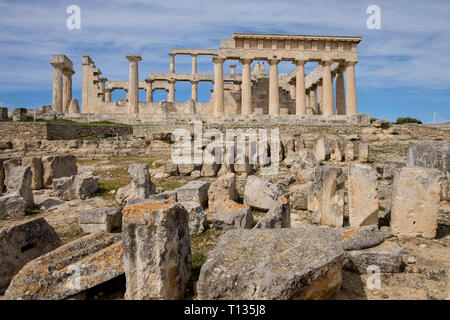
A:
(346, 102)
(194, 84)
(62, 87)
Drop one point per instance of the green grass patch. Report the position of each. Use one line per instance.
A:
(71, 235)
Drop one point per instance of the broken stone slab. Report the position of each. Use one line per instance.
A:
(260, 193)
(210, 170)
(19, 181)
(102, 219)
(349, 152)
(229, 214)
(59, 166)
(8, 165)
(361, 238)
(194, 191)
(76, 187)
(277, 217)
(299, 195)
(267, 264)
(170, 168)
(321, 148)
(385, 258)
(35, 163)
(430, 154)
(22, 243)
(197, 217)
(416, 194)
(363, 152)
(157, 250)
(362, 195)
(336, 154)
(224, 188)
(301, 159)
(12, 205)
(390, 168)
(141, 186)
(326, 201)
(72, 268)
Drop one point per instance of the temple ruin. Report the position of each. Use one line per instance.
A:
(254, 93)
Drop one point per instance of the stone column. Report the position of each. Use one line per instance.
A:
(340, 92)
(57, 101)
(149, 92)
(274, 99)
(67, 92)
(85, 83)
(172, 63)
(171, 95)
(218, 86)
(312, 103)
(108, 95)
(350, 96)
(246, 101)
(194, 64)
(320, 98)
(327, 81)
(292, 90)
(300, 106)
(194, 91)
(233, 68)
(133, 83)
(307, 102)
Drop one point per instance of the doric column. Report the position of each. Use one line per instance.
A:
(340, 92)
(218, 86)
(233, 68)
(246, 101)
(312, 101)
(320, 98)
(172, 63)
(108, 95)
(149, 92)
(300, 106)
(85, 83)
(307, 102)
(327, 82)
(133, 83)
(57, 100)
(274, 99)
(171, 95)
(67, 92)
(194, 91)
(350, 96)
(194, 63)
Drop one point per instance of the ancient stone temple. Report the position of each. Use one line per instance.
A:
(254, 93)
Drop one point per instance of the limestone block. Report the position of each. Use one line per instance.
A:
(22, 243)
(300, 160)
(349, 152)
(229, 214)
(141, 186)
(299, 195)
(390, 168)
(361, 238)
(170, 168)
(222, 189)
(261, 194)
(415, 202)
(75, 187)
(264, 264)
(74, 106)
(431, 154)
(8, 165)
(3, 113)
(363, 152)
(196, 174)
(35, 163)
(321, 148)
(336, 154)
(12, 204)
(157, 251)
(102, 219)
(19, 181)
(55, 167)
(75, 267)
(194, 191)
(326, 200)
(362, 195)
(197, 217)
(210, 170)
(20, 114)
(277, 217)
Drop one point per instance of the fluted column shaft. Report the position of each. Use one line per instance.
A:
(218, 86)
(312, 103)
(133, 84)
(274, 99)
(171, 95)
(57, 99)
(320, 98)
(350, 96)
(67, 92)
(172, 63)
(194, 90)
(340, 92)
(327, 82)
(300, 105)
(246, 87)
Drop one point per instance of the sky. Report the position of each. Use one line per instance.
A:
(403, 69)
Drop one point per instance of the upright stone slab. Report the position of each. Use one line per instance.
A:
(35, 163)
(431, 154)
(157, 250)
(19, 182)
(415, 202)
(277, 217)
(222, 189)
(326, 200)
(22, 243)
(363, 152)
(362, 195)
(55, 167)
(141, 186)
(321, 148)
(194, 191)
(349, 151)
(102, 219)
(20, 114)
(8, 165)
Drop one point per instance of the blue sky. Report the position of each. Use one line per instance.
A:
(404, 67)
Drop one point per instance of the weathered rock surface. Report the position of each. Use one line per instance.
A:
(321, 148)
(19, 182)
(277, 217)
(415, 202)
(363, 152)
(362, 195)
(299, 195)
(12, 205)
(430, 154)
(224, 188)
(361, 238)
(326, 200)
(102, 219)
(349, 152)
(76, 187)
(229, 214)
(70, 269)
(194, 191)
(197, 217)
(55, 167)
(388, 257)
(8, 165)
(35, 163)
(22, 243)
(302, 263)
(157, 250)
(301, 159)
(260, 193)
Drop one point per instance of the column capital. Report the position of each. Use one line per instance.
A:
(273, 61)
(69, 72)
(172, 81)
(218, 59)
(350, 63)
(245, 61)
(171, 54)
(299, 62)
(194, 54)
(149, 80)
(326, 62)
(134, 57)
(194, 81)
(58, 65)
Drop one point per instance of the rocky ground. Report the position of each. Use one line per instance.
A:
(427, 262)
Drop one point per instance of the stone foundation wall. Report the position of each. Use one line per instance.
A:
(23, 130)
